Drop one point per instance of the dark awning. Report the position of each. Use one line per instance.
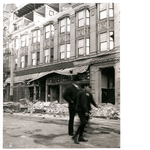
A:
(22, 78)
(67, 71)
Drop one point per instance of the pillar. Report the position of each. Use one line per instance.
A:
(117, 83)
(56, 53)
(98, 89)
(29, 49)
(93, 30)
(72, 37)
(41, 46)
(60, 93)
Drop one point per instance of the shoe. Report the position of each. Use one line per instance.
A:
(71, 134)
(75, 138)
(81, 139)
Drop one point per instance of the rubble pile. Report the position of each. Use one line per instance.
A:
(108, 111)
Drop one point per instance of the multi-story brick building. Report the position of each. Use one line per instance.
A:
(56, 44)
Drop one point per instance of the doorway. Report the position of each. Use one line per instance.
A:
(108, 85)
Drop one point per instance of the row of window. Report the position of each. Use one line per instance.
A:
(64, 26)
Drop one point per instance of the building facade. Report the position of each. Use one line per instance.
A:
(54, 45)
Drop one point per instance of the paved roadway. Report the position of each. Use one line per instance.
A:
(47, 131)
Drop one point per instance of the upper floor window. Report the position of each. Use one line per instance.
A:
(47, 31)
(84, 18)
(68, 50)
(62, 26)
(103, 11)
(33, 59)
(65, 25)
(103, 41)
(111, 40)
(36, 36)
(38, 58)
(52, 55)
(81, 47)
(17, 43)
(87, 17)
(24, 40)
(46, 56)
(22, 61)
(52, 30)
(111, 9)
(81, 18)
(62, 51)
(16, 61)
(87, 46)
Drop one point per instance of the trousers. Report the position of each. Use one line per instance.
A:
(71, 120)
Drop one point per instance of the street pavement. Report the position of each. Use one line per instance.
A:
(46, 131)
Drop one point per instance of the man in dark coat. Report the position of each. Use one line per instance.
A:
(70, 95)
(90, 100)
(82, 110)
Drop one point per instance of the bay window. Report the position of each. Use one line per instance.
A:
(65, 25)
(62, 51)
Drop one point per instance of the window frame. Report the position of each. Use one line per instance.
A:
(33, 59)
(80, 47)
(80, 19)
(68, 50)
(87, 46)
(46, 56)
(47, 32)
(22, 62)
(102, 42)
(62, 52)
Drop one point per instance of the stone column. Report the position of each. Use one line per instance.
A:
(116, 24)
(93, 30)
(60, 93)
(41, 45)
(56, 40)
(117, 83)
(72, 37)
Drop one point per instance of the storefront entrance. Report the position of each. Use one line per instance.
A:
(108, 83)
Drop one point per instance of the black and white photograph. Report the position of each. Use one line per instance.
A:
(61, 75)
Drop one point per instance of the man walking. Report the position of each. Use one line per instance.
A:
(70, 95)
(82, 110)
